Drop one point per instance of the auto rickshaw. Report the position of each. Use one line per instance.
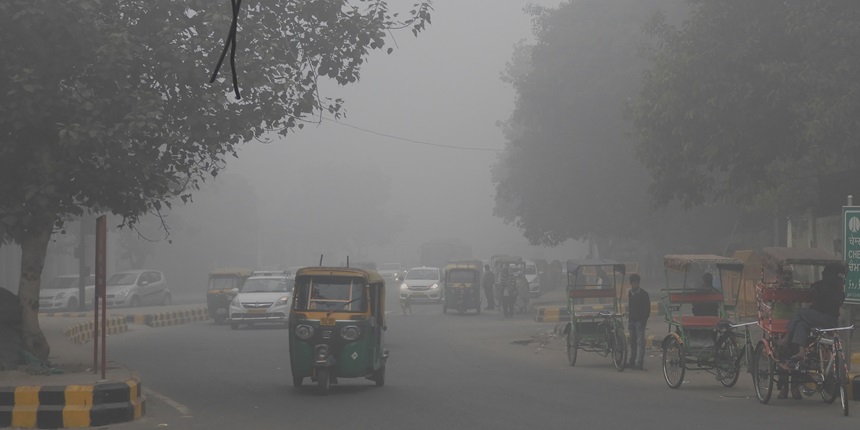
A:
(514, 264)
(337, 325)
(224, 284)
(462, 284)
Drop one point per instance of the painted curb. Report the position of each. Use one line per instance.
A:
(164, 319)
(71, 406)
(83, 332)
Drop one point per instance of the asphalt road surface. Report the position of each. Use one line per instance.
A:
(445, 371)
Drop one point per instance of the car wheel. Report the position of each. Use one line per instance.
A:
(134, 302)
(234, 326)
(72, 305)
(166, 300)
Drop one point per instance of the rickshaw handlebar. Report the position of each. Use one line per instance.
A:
(743, 324)
(825, 330)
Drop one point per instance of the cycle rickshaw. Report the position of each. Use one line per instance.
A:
(700, 335)
(596, 330)
(824, 369)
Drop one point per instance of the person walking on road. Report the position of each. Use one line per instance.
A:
(508, 293)
(489, 282)
(638, 311)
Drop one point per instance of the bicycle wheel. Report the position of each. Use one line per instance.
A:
(673, 363)
(619, 348)
(572, 345)
(830, 384)
(727, 361)
(763, 367)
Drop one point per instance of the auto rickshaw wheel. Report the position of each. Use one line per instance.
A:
(234, 326)
(219, 319)
(297, 380)
(323, 380)
(379, 376)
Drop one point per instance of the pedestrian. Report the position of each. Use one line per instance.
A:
(489, 281)
(638, 311)
(508, 292)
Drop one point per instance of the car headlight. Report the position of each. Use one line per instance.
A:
(350, 332)
(235, 302)
(60, 295)
(434, 286)
(283, 300)
(122, 293)
(304, 332)
(404, 286)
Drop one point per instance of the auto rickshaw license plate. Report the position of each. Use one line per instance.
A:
(327, 321)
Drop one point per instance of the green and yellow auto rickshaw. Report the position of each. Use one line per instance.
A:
(462, 284)
(337, 325)
(224, 284)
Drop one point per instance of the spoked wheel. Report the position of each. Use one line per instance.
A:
(619, 348)
(763, 367)
(323, 380)
(297, 381)
(673, 363)
(830, 386)
(727, 360)
(572, 345)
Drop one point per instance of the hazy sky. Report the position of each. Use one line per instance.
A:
(442, 87)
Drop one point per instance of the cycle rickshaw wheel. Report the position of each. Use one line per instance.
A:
(572, 345)
(763, 367)
(673, 363)
(727, 361)
(619, 348)
(830, 384)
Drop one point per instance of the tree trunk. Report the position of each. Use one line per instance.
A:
(34, 247)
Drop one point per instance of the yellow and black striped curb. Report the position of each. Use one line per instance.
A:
(83, 332)
(164, 319)
(561, 313)
(71, 406)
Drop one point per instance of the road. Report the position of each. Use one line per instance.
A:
(445, 371)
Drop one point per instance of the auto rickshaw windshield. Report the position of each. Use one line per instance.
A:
(331, 294)
(223, 282)
(462, 276)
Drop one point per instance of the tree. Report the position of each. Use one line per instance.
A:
(568, 170)
(106, 108)
(751, 103)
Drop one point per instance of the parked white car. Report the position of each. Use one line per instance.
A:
(264, 299)
(63, 293)
(533, 278)
(134, 288)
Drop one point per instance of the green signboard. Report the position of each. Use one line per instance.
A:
(851, 252)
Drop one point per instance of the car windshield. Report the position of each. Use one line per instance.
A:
(462, 276)
(63, 282)
(389, 266)
(271, 285)
(122, 279)
(429, 274)
(331, 293)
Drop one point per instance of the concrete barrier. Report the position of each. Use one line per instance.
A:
(71, 406)
(83, 332)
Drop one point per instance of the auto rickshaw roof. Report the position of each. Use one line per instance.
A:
(682, 262)
(774, 258)
(574, 265)
(371, 275)
(232, 271)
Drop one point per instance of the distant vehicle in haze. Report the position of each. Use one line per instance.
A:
(265, 298)
(392, 273)
(422, 283)
(63, 293)
(533, 278)
(133, 288)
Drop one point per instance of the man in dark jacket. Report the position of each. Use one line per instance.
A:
(828, 294)
(489, 281)
(638, 311)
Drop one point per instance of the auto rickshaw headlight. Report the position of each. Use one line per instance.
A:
(350, 332)
(304, 332)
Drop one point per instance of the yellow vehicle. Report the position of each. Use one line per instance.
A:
(336, 326)
(224, 284)
(462, 285)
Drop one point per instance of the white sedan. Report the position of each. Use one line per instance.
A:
(63, 293)
(263, 299)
